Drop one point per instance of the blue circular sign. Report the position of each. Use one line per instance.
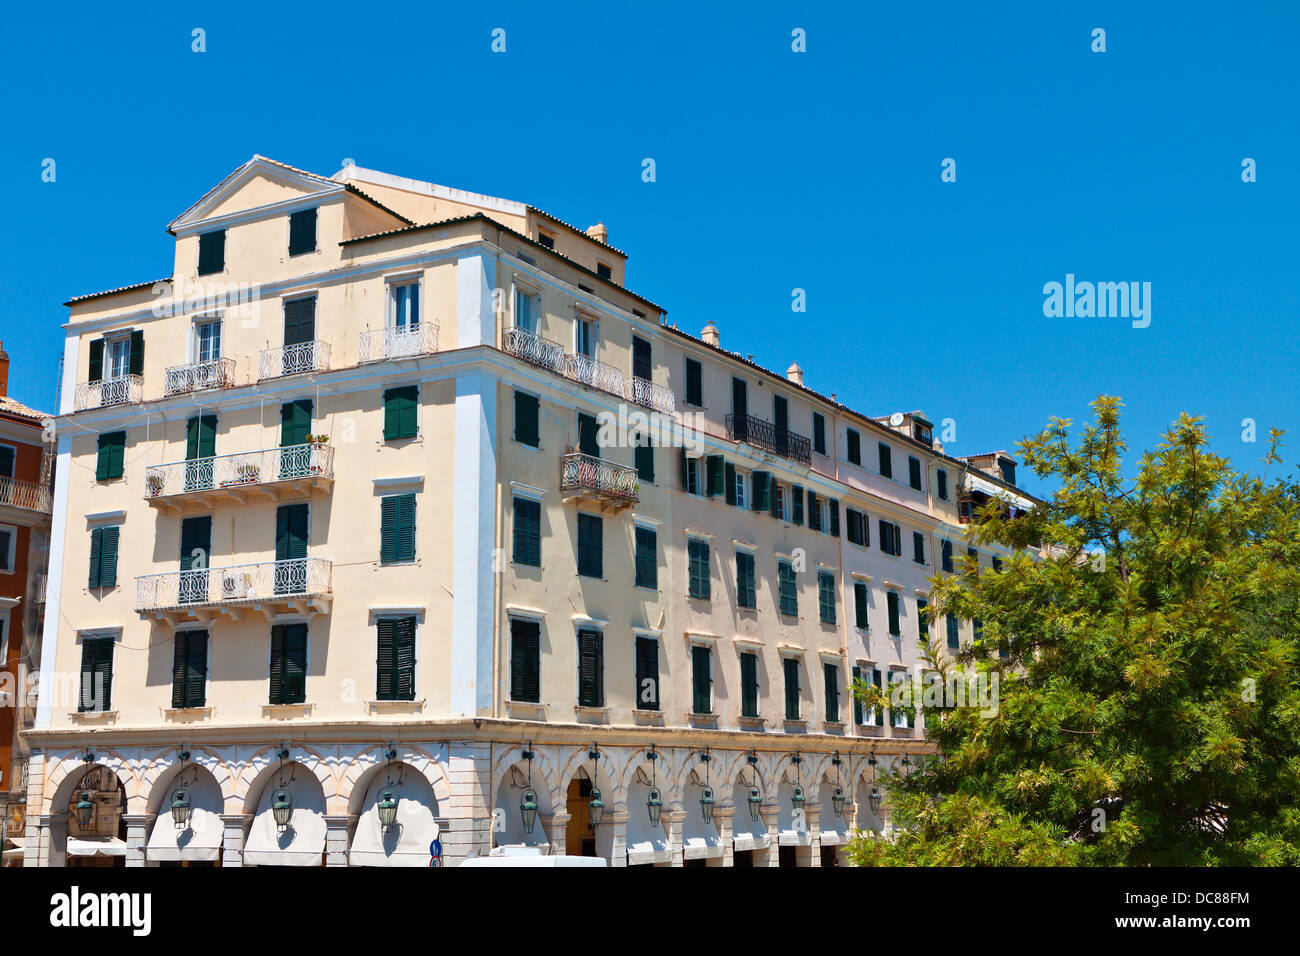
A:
(435, 848)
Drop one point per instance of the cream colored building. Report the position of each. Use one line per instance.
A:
(343, 514)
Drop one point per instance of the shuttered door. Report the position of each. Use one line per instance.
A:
(291, 529)
(590, 547)
(200, 443)
(647, 559)
(895, 628)
(749, 685)
(404, 659)
(591, 665)
(831, 677)
(397, 529)
(781, 414)
(96, 674)
(740, 409)
(701, 681)
(641, 358)
(190, 669)
(860, 604)
(647, 673)
(96, 370)
(295, 430)
(791, 668)
(587, 432)
(526, 431)
(196, 552)
(299, 321)
(525, 644)
(528, 532)
(289, 664)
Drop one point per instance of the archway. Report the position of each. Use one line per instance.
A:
(406, 841)
(197, 840)
(701, 839)
(301, 841)
(96, 795)
(509, 827)
(834, 829)
(749, 835)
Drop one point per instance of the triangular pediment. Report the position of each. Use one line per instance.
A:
(260, 183)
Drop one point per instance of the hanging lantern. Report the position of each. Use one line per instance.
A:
(528, 809)
(837, 801)
(181, 808)
(796, 798)
(387, 808)
(85, 809)
(706, 804)
(655, 805)
(875, 799)
(755, 801)
(595, 808)
(281, 808)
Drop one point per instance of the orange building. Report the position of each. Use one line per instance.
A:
(25, 473)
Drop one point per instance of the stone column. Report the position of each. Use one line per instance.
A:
(813, 852)
(469, 813)
(557, 831)
(723, 816)
(618, 820)
(672, 821)
(336, 840)
(772, 816)
(43, 831)
(137, 835)
(235, 826)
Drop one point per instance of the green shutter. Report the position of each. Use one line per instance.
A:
(525, 643)
(860, 604)
(190, 669)
(108, 557)
(96, 360)
(891, 598)
(295, 422)
(291, 531)
(200, 437)
(135, 361)
(400, 413)
(591, 660)
(110, 457)
(814, 512)
(745, 596)
(397, 529)
(698, 572)
(404, 658)
(645, 461)
(922, 618)
(385, 671)
(96, 689)
(686, 487)
(790, 666)
(749, 685)
(180, 663)
(762, 492)
(526, 426)
(588, 432)
(528, 532)
(96, 549)
(647, 674)
(701, 680)
(295, 663)
(857, 701)
(831, 679)
(729, 483)
(796, 504)
(276, 695)
(647, 561)
(835, 518)
(715, 480)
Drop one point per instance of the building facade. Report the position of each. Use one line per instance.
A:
(393, 512)
(25, 507)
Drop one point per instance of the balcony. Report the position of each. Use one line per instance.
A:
(592, 478)
(296, 471)
(109, 391)
(27, 495)
(383, 344)
(576, 367)
(765, 435)
(293, 360)
(299, 585)
(215, 373)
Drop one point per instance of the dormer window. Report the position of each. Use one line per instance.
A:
(302, 232)
(1008, 469)
(604, 271)
(546, 239)
(212, 252)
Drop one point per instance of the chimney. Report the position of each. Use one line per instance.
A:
(599, 233)
(4, 371)
(794, 373)
(710, 335)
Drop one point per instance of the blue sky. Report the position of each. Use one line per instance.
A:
(775, 170)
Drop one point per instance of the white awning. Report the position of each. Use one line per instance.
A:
(750, 841)
(302, 843)
(96, 846)
(199, 840)
(975, 483)
(406, 843)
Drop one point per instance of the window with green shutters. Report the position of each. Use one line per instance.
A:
(588, 435)
(212, 252)
(644, 455)
(858, 714)
(893, 601)
(796, 504)
(694, 383)
(746, 595)
(819, 433)
(954, 639)
(647, 673)
(302, 232)
(288, 664)
(525, 660)
(295, 429)
(831, 680)
(591, 668)
(834, 508)
(946, 555)
(853, 446)
(923, 619)
(886, 460)
(397, 529)
(591, 546)
(189, 669)
(715, 476)
(528, 532)
(701, 680)
(891, 538)
(790, 668)
(748, 684)
(111, 456)
(526, 430)
(762, 497)
(401, 420)
(789, 597)
(941, 478)
(877, 715)
(856, 527)
(200, 444)
(860, 604)
(103, 557)
(395, 658)
(826, 596)
(914, 472)
(647, 557)
(697, 556)
(918, 547)
(814, 512)
(96, 692)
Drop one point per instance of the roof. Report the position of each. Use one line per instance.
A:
(122, 288)
(9, 406)
(582, 232)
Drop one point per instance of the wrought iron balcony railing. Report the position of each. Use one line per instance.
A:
(587, 473)
(542, 352)
(647, 394)
(214, 373)
(27, 495)
(109, 391)
(381, 344)
(293, 360)
(229, 473)
(761, 433)
(266, 582)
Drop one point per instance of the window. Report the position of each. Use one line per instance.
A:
(954, 639)
(694, 383)
(302, 232)
(397, 529)
(1008, 469)
(857, 701)
(701, 680)
(860, 605)
(207, 342)
(918, 547)
(941, 477)
(525, 312)
(644, 455)
(691, 475)
(103, 557)
(96, 675)
(395, 659)
(790, 668)
(401, 407)
(299, 328)
(796, 504)
(528, 532)
(526, 431)
(974, 555)
(715, 476)
(854, 446)
(584, 337)
(858, 531)
(877, 714)
(738, 496)
(826, 596)
(946, 555)
(914, 472)
(212, 252)
(189, 669)
(779, 509)
(119, 357)
(591, 668)
(748, 684)
(789, 597)
(288, 664)
(891, 538)
(834, 507)
(814, 512)
(923, 619)
(886, 461)
(977, 629)
(525, 660)
(7, 455)
(819, 433)
(588, 435)
(111, 456)
(901, 718)
(831, 678)
(604, 271)
(893, 600)
(745, 590)
(8, 544)
(591, 546)
(647, 673)
(647, 558)
(997, 565)
(545, 239)
(697, 555)
(404, 306)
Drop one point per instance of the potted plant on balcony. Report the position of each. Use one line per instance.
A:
(316, 441)
(153, 485)
(245, 474)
